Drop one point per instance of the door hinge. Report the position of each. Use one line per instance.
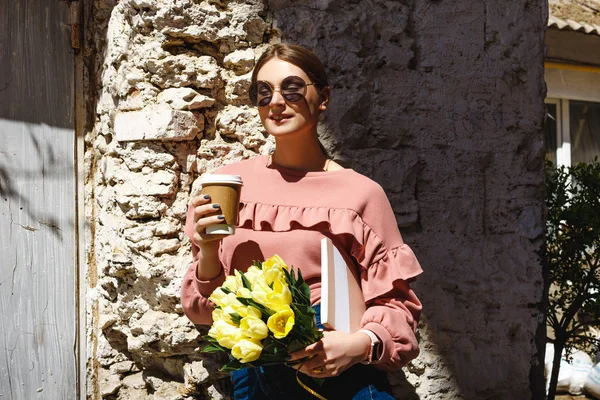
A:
(75, 23)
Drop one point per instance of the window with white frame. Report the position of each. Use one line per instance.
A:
(572, 127)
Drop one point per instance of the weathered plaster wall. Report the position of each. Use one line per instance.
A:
(440, 102)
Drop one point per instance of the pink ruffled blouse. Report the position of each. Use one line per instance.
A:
(287, 212)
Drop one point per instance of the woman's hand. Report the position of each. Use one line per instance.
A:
(333, 354)
(207, 252)
(204, 215)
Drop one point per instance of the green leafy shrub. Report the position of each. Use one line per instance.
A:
(572, 253)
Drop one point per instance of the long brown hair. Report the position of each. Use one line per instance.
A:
(300, 57)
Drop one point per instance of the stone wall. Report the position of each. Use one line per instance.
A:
(440, 102)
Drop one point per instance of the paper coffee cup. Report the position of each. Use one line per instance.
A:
(224, 190)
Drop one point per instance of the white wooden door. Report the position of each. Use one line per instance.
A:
(38, 298)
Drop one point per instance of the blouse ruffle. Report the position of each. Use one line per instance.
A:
(380, 267)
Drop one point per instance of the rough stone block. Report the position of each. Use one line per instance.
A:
(138, 233)
(109, 383)
(133, 102)
(197, 21)
(140, 207)
(165, 246)
(242, 123)
(147, 154)
(105, 104)
(133, 393)
(157, 183)
(215, 393)
(106, 354)
(120, 256)
(134, 381)
(157, 123)
(184, 99)
(167, 227)
(150, 324)
(107, 320)
(246, 22)
(195, 374)
(169, 391)
(236, 89)
(179, 207)
(122, 367)
(184, 70)
(241, 61)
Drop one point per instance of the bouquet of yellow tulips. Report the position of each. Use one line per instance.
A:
(262, 315)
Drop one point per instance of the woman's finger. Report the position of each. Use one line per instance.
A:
(203, 223)
(315, 347)
(321, 371)
(199, 200)
(315, 363)
(297, 355)
(307, 351)
(201, 210)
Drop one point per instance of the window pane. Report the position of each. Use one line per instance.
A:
(550, 133)
(585, 131)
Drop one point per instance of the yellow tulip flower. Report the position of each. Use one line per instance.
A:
(254, 328)
(249, 311)
(260, 291)
(232, 282)
(227, 335)
(282, 322)
(231, 301)
(254, 274)
(247, 350)
(243, 292)
(216, 296)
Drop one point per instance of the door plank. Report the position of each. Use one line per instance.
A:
(38, 358)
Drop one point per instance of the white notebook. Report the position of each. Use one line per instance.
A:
(342, 300)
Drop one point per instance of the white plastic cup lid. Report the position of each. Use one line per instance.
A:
(221, 178)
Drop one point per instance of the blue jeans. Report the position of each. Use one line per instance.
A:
(360, 382)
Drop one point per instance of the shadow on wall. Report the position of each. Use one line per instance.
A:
(421, 110)
(363, 127)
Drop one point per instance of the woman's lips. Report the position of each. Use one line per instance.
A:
(280, 117)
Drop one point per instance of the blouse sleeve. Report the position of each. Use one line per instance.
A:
(194, 292)
(393, 317)
(387, 266)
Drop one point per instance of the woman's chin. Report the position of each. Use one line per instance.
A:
(281, 128)
(287, 127)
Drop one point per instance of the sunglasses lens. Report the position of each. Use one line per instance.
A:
(293, 97)
(264, 93)
(293, 88)
(252, 94)
(264, 101)
(260, 93)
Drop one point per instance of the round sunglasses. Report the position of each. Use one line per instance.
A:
(292, 88)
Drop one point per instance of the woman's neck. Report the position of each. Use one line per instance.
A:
(302, 154)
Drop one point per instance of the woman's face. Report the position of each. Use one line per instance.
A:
(281, 117)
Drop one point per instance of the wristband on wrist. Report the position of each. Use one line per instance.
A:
(374, 351)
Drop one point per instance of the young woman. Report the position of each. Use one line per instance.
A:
(290, 201)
